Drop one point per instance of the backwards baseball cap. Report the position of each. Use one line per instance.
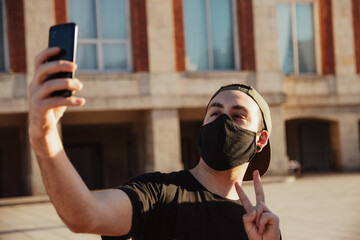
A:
(261, 160)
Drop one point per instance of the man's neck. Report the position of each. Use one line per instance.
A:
(221, 183)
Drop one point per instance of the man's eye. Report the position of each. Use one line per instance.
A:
(214, 114)
(238, 116)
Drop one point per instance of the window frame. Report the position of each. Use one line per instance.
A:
(236, 55)
(316, 32)
(99, 41)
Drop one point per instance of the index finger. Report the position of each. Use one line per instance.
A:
(259, 192)
(44, 55)
(243, 198)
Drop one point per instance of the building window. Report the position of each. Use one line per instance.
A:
(3, 53)
(104, 34)
(296, 38)
(210, 36)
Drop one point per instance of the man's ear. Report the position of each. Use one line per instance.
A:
(261, 140)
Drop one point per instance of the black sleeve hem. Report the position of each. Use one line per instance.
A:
(135, 208)
(135, 212)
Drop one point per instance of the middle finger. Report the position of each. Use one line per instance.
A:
(45, 69)
(259, 192)
(71, 84)
(260, 209)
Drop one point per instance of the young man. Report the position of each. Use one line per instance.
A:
(206, 202)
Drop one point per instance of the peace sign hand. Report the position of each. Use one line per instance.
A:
(259, 221)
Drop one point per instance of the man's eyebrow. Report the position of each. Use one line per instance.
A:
(238, 107)
(235, 107)
(216, 104)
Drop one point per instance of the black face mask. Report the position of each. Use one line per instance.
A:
(223, 145)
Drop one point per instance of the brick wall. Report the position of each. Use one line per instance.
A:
(179, 36)
(16, 35)
(60, 10)
(246, 34)
(139, 35)
(327, 37)
(356, 27)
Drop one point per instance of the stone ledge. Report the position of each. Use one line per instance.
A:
(23, 200)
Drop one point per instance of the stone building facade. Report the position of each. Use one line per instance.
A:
(146, 117)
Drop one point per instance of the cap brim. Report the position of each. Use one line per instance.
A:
(261, 162)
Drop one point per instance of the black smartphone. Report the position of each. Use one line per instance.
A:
(65, 37)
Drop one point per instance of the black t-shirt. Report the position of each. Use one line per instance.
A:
(177, 206)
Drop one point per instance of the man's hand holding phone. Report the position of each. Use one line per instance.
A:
(44, 109)
(52, 88)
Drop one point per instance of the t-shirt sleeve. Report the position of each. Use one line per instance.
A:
(144, 192)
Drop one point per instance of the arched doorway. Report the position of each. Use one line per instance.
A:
(314, 143)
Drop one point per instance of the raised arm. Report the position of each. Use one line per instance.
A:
(106, 212)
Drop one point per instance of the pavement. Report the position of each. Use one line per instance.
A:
(313, 207)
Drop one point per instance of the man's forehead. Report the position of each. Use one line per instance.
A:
(233, 98)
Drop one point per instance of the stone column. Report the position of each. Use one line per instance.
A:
(163, 141)
(347, 80)
(279, 159)
(38, 18)
(160, 35)
(269, 78)
(160, 25)
(343, 37)
(349, 142)
(268, 75)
